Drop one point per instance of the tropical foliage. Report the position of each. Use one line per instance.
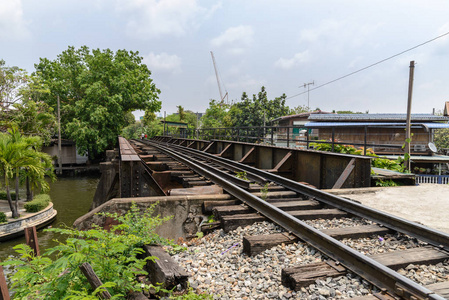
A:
(249, 112)
(97, 90)
(377, 162)
(441, 138)
(12, 79)
(20, 157)
(113, 254)
(257, 111)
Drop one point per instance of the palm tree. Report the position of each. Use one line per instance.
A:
(20, 153)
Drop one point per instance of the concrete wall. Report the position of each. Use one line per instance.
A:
(186, 212)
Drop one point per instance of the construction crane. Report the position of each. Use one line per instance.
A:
(218, 81)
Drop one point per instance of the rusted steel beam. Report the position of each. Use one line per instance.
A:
(31, 239)
(4, 293)
(346, 172)
(285, 162)
(226, 150)
(248, 158)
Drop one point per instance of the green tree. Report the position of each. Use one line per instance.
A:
(97, 89)
(300, 109)
(148, 118)
(258, 111)
(34, 118)
(18, 154)
(441, 138)
(12, 79)
(217, 115)
(181, 113)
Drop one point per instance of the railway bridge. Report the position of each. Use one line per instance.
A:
(243, 183)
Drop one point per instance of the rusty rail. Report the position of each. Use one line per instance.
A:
(366, 267)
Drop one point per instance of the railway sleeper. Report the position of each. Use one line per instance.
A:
(208, 206)
(164, 269)
(231, 222)
(253, 245)
(301, 276)
(286, 206)
(440, 288)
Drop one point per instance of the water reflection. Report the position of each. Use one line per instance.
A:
(71, 197)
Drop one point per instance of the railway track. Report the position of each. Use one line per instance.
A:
(298, 208)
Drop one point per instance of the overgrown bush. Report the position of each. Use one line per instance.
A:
(3, 218)
(377, 162)
(3, 195)
(38, 203)
(113, 255)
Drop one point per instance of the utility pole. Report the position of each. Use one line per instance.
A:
(308, 91)
(59, 139)
(408, 135)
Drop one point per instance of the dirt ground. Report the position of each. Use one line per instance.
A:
(427, 204)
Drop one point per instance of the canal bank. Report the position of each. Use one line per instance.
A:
(71, 197)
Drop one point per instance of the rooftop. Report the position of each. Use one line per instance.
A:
(376, 118)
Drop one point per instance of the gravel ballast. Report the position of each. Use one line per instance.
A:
(217, 266)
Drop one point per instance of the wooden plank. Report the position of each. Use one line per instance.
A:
(221, 211)
(4, 293)
(376, 296)
(440, 288)
(301, 276)
(297, 205)
(253, 245)
(318, 214)
(164, 269)
(417, 256)
(277, 200)
(346, 172)
(232, 222)
(356, 231)
(209, 205)
(93, 279)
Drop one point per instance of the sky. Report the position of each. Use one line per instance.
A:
(288, 46)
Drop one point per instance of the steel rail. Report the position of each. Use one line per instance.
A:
(211, 158)
(364, 266)
(431, 236)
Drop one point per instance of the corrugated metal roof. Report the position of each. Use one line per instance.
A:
(374, 124)
(377, 117)
(305, 114)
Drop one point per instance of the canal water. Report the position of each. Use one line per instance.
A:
(72, 198)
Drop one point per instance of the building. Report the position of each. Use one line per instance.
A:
(291, 131)
(384, 133)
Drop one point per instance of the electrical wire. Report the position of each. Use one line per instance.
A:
(372, 65)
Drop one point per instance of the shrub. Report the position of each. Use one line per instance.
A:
(3, 195)
(38, 203)
(2, 217)
(114, 255)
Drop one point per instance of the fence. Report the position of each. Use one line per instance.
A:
(382, 142)
(436, 179)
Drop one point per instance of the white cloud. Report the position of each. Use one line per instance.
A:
(12, 23)
(235, 39)
(154, 18)
(296, 60)
(163, 62)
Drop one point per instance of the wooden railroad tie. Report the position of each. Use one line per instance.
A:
(164, 269)
(300, 276)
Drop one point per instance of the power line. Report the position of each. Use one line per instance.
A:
(372, 65)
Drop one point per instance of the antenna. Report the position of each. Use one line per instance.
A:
(308, 90)
(218, 80)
